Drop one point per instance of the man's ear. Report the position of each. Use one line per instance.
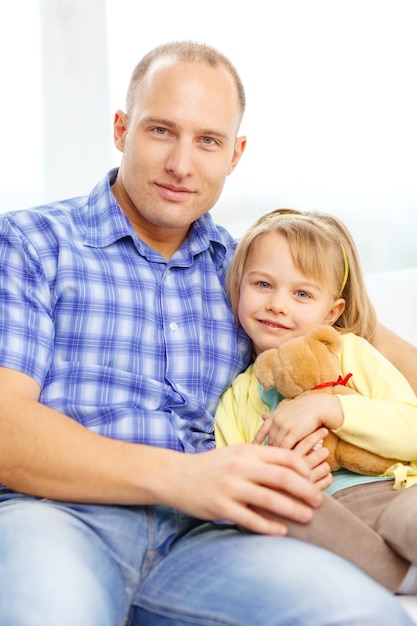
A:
(119, 129)
(335, 312)
(240, 145)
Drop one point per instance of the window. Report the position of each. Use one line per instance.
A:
(21, 154)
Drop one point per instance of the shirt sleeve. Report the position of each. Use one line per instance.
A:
(382, 416)
(26, 326)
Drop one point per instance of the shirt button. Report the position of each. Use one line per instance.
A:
(173, 326)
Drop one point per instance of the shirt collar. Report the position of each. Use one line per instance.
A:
(106, 223)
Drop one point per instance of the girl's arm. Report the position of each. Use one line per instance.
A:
(239, 412)
(382, 417)
(239, 417)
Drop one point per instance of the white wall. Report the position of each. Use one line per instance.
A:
(55, 104)
(21, 158)
(76, 112)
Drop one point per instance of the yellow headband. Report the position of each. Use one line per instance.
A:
(316, 220)
(346, 274)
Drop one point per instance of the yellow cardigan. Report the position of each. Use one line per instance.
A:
(381, 418)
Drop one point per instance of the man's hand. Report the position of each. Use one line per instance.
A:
(245, 484)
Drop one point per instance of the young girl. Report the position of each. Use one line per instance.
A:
(293, 271)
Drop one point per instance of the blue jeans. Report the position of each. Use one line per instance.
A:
(92, 565)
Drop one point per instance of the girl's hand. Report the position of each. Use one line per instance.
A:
(294, 420)
(312, 451)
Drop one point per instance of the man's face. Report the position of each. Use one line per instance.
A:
(179, 144)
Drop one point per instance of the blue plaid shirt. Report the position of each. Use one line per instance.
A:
(122, 341)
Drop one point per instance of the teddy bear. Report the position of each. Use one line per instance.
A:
(309, 364)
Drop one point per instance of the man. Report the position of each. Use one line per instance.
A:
(117, 340)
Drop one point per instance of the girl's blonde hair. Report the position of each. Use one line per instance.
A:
(323, 249)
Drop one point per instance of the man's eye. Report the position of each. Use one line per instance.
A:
(209, 141)
(160, 131)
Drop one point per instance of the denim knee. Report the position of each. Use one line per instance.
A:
(53, 572)
(214, 577)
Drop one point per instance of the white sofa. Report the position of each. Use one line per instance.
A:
(394, 295)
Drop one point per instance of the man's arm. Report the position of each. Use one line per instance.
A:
(47, 454)
(401, 353)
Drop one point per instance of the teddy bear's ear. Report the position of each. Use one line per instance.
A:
(329, 336)
(263, 368)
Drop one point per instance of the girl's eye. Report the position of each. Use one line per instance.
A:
(263, 284)
(302, 294)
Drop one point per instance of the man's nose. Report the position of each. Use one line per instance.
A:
(180, 159)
